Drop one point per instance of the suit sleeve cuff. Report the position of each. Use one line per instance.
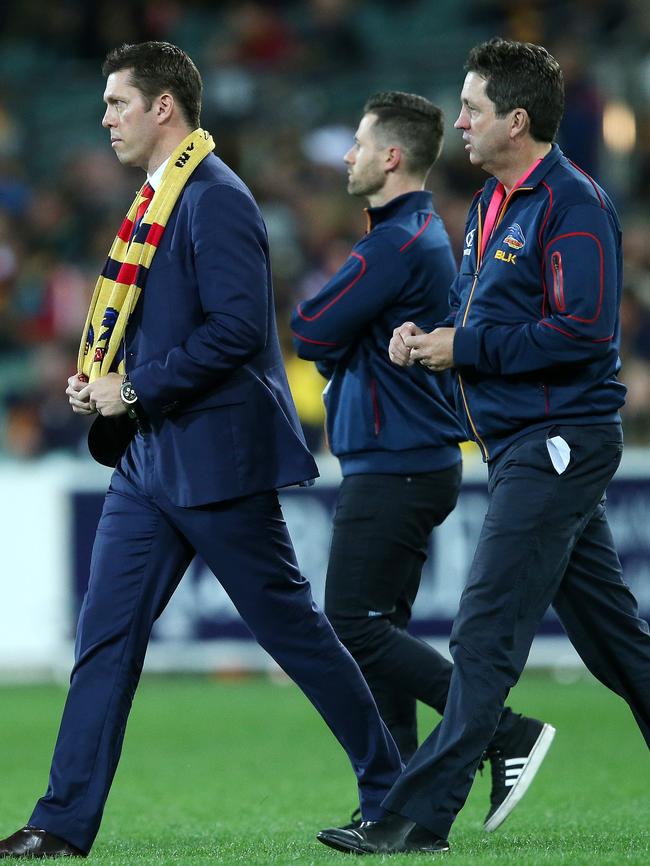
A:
(147, 401)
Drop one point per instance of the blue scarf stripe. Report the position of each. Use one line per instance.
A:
(112, 269)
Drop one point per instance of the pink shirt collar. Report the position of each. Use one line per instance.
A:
(496, 201)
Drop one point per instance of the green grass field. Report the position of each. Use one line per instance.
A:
(246, 773)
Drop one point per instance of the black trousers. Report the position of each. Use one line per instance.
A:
(379, 545)
(545, 540)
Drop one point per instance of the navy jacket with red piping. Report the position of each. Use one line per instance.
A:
(381, 418)
(537, 316)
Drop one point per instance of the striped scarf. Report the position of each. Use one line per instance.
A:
(124, 275)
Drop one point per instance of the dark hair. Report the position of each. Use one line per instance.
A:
(157, 67)
(521, 75)
(413, 122)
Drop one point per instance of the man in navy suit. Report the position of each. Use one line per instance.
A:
(216, 435)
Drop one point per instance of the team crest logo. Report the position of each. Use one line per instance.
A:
(515, 237)
(108, 322)
(469, 242)
(90, 339)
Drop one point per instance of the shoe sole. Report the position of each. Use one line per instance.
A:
(343, 845)
(535, 760)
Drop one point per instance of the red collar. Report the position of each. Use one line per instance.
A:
(496, 201)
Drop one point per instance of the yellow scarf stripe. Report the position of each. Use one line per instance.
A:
(119, 285)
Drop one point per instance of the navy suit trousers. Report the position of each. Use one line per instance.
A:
(143, 546)
(545, 540)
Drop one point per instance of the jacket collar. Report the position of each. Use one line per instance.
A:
(550, 160)
(409, 202)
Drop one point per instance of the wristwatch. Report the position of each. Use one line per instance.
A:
(130, 400)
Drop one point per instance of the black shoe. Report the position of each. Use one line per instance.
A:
(514, 766)
(32, 842)
(390, 835)
(355, 821)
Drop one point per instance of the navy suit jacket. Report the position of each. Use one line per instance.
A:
(203, 355)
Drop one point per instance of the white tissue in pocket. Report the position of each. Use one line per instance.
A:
(559, 452)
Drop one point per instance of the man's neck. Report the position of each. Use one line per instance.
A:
(520, 162)
(155, 178)
(165, 147)
(394, 188)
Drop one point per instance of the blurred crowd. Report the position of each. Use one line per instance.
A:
(285, 83)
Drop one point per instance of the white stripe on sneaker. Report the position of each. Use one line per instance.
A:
(519, 786)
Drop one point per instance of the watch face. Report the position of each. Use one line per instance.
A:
(128, 393)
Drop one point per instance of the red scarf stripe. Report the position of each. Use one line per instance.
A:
(154, 234)
(126, 274)
(126, 228)
(119, 272)
(149, 234)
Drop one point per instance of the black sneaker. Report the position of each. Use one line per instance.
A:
(514, 766)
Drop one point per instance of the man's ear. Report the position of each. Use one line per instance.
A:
(393, 158)
(164, 107)
(519, 123)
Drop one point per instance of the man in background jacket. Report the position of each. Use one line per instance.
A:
(395, 435)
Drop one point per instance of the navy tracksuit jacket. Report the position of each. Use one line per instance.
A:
(537, 323)
(381, 418)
